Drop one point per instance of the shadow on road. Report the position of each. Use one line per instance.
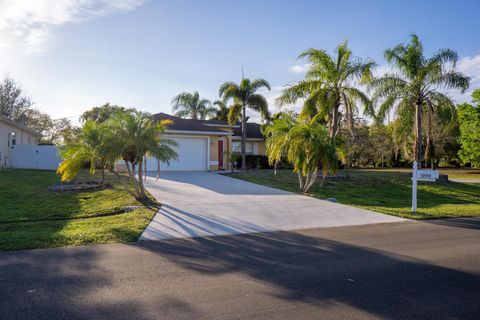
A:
(145, 280)
(314, 270)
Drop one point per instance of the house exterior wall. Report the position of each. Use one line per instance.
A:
(22, 137)
(254, 146)
(261, 148)
(214, 159)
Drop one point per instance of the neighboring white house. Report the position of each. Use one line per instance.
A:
(13, 133)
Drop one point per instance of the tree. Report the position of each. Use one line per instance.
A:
(13, 102)
(305, 143)
(222, 112)
(56, 132)
(244, 96)
(189, 105)
(416, 84)
(102, 113)
(469, 117)
(330, 85)
(127, 135)
(40, 122)
(87, 147)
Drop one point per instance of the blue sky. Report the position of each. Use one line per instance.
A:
(72, 55)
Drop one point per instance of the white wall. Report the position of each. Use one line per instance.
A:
(35, 157)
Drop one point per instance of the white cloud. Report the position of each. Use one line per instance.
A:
(471, 67)
(28, 24)
(299, 68)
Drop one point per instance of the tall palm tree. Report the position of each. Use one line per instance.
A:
(244, 96)
(305, 143)
(415, 84)
(190, 105)
(329, 85)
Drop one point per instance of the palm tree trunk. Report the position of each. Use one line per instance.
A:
(349, 117)
(418, 134)
(131, 175)
(428, 154)
(140, 179)
(300, 180)
(334, 124)
(145, 169)
(313, 178)
(158, 170)
(244, 137)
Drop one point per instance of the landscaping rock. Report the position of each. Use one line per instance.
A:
(80, 185)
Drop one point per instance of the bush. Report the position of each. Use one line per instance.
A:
(254, 162)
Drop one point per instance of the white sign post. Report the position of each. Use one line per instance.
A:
(414, 187)
(421, 175)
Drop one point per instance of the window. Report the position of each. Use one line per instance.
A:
(11, 139)
(248, 148)
(237, 147)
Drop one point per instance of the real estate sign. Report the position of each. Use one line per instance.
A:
(420, 175)
(427, 175)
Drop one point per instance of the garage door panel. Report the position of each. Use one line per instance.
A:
(192, 155)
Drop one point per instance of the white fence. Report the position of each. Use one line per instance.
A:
(35, 157)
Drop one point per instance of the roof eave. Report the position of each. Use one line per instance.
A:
(205, 133)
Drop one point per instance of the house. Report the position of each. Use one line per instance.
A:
(14, 133)
(206, 144)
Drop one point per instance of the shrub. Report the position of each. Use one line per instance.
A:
(254, 162)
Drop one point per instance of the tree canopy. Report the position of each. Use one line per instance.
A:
(469, 117)
(190, 105)
(416, 84)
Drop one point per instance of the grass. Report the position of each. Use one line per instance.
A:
(32, 217)
(463, 173)
(386, 191)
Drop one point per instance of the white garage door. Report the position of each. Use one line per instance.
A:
(192, 155)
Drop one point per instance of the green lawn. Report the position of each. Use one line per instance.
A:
(387, 191)
(32, 217)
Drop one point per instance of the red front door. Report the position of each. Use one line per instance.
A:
(220, 154)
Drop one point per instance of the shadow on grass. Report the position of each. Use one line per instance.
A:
(33, 217)
(374, 189)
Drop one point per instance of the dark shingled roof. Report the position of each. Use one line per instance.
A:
(253, 131)
(185, 124)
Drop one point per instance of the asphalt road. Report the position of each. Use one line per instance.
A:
(406, 270)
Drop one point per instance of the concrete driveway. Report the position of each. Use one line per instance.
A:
(205, 204)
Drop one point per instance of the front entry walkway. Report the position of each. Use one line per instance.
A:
(205, 204)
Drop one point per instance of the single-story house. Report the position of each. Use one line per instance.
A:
(14, 133)
(206, 144)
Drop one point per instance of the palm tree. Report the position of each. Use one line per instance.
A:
(222, 112)
(244, 96)
(134, 135)
(85, 148)
(329, 85)
(189, 105)
(416, 84)
(305, 143)
(127, 135)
